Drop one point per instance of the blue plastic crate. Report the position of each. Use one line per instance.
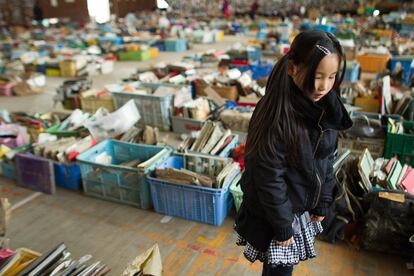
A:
(207, 205)
(68, 176)
(120, 183)
(242, 68)
(261, 36)
(326, 28)
(407, 28)
(236, 27)
(406, 63)
(261, 70)
(178, 45)
(114, 40)
(8, 170)
(352, 72)
(41, 68)
(254, 55)
(262, 25)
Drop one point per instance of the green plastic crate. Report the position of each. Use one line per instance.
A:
(401, 145)
(141, 55)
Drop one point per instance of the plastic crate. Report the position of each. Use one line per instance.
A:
(52, 72)
(352, 72)
(185, 125)
(119, 183)
(68, 176)
(358, 145)
(141, 55)
(114, 40)
(254, 55)
(179, 45)
(92, 104)
(261, 36)
(373, 63)
(237, 194)
(35, 173)
(325, 28)
(401, 145)
(407, 63)
(8, 170)
(154, 110)
(68, 68)
(207, 205)
(261, 70)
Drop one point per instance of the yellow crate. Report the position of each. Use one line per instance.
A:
(92, 42)
(92, 104)
(67, 68)
(132, 47)
(153, 52)
(52, 72)
(219, 36)
(383, 33)
(368, 104)
(373, 63)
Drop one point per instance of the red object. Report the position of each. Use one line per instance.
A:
(73, 154)
(238, 62)
(103, 92)
(110, 57)
(246, 104)
(5, 253)
(238, 155)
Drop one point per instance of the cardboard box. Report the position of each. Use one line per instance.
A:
(227, 92)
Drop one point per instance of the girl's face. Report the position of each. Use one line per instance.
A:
(324, 76)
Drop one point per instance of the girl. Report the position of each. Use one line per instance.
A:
(288, 180)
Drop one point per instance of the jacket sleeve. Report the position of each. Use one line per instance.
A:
(272, 193)
(327, 191)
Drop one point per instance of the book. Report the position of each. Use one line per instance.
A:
(394, 175)
(215, 137)
(408, 182)
(220, 143)
(42, 263)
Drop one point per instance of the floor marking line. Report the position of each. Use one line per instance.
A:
(24, 201)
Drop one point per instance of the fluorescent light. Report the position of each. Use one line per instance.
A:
(162, 4)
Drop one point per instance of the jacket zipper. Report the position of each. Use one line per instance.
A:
(315, 202)
(318, 179)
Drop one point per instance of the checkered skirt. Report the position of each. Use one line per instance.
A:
(302, 249)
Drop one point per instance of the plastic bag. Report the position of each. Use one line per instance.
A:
(104, 126)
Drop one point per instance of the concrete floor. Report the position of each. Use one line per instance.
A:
(116, 234)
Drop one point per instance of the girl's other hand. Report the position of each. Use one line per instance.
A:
(285, 243)
(315, 218)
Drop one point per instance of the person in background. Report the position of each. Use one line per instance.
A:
(288, 181)
(226, 9)
(253, 9)
(38, 13)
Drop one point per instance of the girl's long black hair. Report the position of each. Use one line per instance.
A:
(274, 118)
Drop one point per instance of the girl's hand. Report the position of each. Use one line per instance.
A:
(315, 218)
(285, 243)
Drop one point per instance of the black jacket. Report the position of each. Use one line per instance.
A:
(276, 190)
